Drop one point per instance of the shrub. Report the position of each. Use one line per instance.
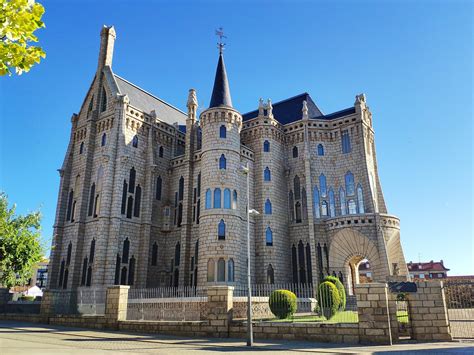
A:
(340, 289)
(27, 298)
(329, 299)
(282, 303)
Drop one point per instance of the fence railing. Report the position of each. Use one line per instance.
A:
(85, 301)
(167, 303)
(460, 303)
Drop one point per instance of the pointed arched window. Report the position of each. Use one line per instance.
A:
(268, 206)
(69, 205)
(104, 140)
(222, 162)
(129, 206)
(332, 203)
(138, 198)
(154, 254)
(221, 270)
(69, 254)
(292, 206)
(316, 211)
(349, 179)
(124, 197)
(223, 132)
(84, 271)
(295, 152)
(89, 276)
(230, 270)
(270, 275)
(81, 148)
(221, 230)
(227, 202)
(269, 237)
(135, 141)
(208, 199)
(131, 272)
(181, 189)
(91, 200)
(267, 174)
(298, 212)
(342, 201)
(234, 200)
(92, 251)
(297, 187)
(158, 188)
(210, 270)
(177, 254)
(118, 261)
(320, 149)
(360, 199)
(103, 103)
(160, 152)
(131, 180)
(322, 185)
(217, 198)
(266, 146)
(125, 251)
(352, 206)
(294, 264)
(345, 142)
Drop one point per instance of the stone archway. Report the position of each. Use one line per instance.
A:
(347, 249)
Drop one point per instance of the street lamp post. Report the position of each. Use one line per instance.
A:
(245, 170)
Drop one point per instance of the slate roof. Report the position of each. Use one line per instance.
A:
(147, 102)
(221, 91)
(289, 110)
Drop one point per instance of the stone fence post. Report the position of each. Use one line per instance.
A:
(4, 298)
(116, 305)
(220, 304)
(428, 312)
(375, 325)
(47, 304)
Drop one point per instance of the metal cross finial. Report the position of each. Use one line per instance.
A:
(220, 34)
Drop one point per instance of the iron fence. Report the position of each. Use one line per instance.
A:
(91, 300)
(167, 303)
(403, 319)
(460, 303)
(311, 305)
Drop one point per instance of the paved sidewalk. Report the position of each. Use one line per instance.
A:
(30, 338)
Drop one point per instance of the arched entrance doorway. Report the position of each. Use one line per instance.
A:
(348, 250)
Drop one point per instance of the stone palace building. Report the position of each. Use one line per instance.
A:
(154, 196)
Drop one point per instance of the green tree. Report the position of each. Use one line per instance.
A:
(19, 19)
(20, 246)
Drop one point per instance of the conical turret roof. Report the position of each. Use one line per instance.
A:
(221, 92)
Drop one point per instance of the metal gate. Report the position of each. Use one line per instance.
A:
(460, 303)
(403, 319)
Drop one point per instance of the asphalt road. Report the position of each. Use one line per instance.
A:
(30, 338)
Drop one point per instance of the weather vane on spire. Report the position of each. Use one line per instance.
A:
(220, 34)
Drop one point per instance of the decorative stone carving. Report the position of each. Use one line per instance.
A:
(305, 110)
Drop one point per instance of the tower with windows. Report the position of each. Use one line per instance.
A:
(222, 221)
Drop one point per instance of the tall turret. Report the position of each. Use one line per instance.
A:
(223, 212)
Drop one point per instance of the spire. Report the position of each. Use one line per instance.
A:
(221, 91)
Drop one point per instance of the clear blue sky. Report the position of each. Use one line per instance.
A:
(413, 61)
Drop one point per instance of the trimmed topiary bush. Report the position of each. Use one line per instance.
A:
(340, 289)
(329, 299)
(282, 303)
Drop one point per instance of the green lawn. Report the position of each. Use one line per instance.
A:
(341, 317)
